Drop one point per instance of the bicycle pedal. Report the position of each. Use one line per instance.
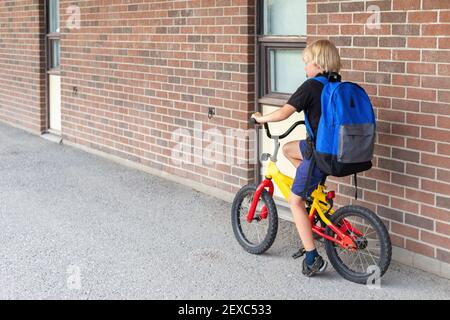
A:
(300, 253)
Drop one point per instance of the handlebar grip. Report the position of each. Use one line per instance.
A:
(252, 121)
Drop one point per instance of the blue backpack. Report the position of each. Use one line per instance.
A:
(346, 134)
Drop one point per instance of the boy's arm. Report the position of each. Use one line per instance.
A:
(279, 115)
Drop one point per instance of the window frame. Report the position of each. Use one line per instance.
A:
(49, 37)
(264, 44)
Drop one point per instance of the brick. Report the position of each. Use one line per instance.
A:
(411, 81)
(422, 16)
(423, 145)
(443, 202)
(365, 41)
(376, 198)
(443, 149)
(355, 6)
(391, 115)
(406, 155)
(404, 130)
(327, 7)
(436, 82)
(421, 68)
(391, 140)
(434, 186)
(341, 41)
(378, 54)
(364, 65)
(392, 67)
(405, 180)
(378, 174)
(404, 230)
(444, 96)
(436, 30)
(390, 91)
(422, 42)
(434, 239)
(443, 122)
(406, 4)
(350, 29)
(444, 43)
(349, 191)
(444, 16)
(393, 17)
(421, 94)
(443, 255)
(434, 212)
(390, 189)
(421, 119)
(434, 4)
(443, 175)
(420, 196)
(435, 134)
(406, 29)
(443, 228)
(420, 248)
(390, 214)
(392, 165)
(435, 108)
(444, 70)
(395, 42)
(420, 171)
(407, 105)
(436, 56)
(420, 222)
(438, 161)
(406, 55)
(397, 241)
(384, 5)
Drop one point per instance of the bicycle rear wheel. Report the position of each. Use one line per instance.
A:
(373, 254)
(258, 236)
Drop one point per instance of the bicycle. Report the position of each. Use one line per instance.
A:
(352, 234)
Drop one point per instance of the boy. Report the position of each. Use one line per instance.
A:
(321, 60)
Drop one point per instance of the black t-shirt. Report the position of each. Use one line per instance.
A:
(308, 98)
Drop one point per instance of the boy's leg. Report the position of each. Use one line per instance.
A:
(291, 151)
(302, 221)
(313, 262)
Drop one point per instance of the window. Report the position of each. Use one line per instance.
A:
(53, 36)
(284, 17)
(53, 16)
(286, 70)
(281, 40)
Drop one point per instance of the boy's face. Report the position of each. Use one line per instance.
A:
(311, 69)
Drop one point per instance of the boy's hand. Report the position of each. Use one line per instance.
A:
(257, 116)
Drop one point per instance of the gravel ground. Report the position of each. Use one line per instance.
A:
(76, 226)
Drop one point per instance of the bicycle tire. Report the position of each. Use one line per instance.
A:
(384, 239)
(272, 219)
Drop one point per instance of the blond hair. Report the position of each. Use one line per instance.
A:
(324, 54)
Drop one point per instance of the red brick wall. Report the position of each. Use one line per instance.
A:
(405, 67)
(22, 64)
(143, 69)
(146, 68)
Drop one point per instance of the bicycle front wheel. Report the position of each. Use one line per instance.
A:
(258, 236)
(372, 256)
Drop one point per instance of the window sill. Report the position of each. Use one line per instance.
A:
(54, 72)
(295, 39)
(273, 101)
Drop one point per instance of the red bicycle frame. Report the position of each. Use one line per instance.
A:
(343, 240)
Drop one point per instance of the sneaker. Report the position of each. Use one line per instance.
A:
(318, 267)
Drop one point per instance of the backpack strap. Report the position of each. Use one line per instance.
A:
(324, 81)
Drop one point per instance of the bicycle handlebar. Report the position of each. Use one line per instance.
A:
(284, 135)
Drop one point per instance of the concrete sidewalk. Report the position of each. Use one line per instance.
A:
(76, 226)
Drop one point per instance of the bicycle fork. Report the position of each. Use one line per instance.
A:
(267, 183)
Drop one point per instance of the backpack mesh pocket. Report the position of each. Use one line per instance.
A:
(356, 143)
